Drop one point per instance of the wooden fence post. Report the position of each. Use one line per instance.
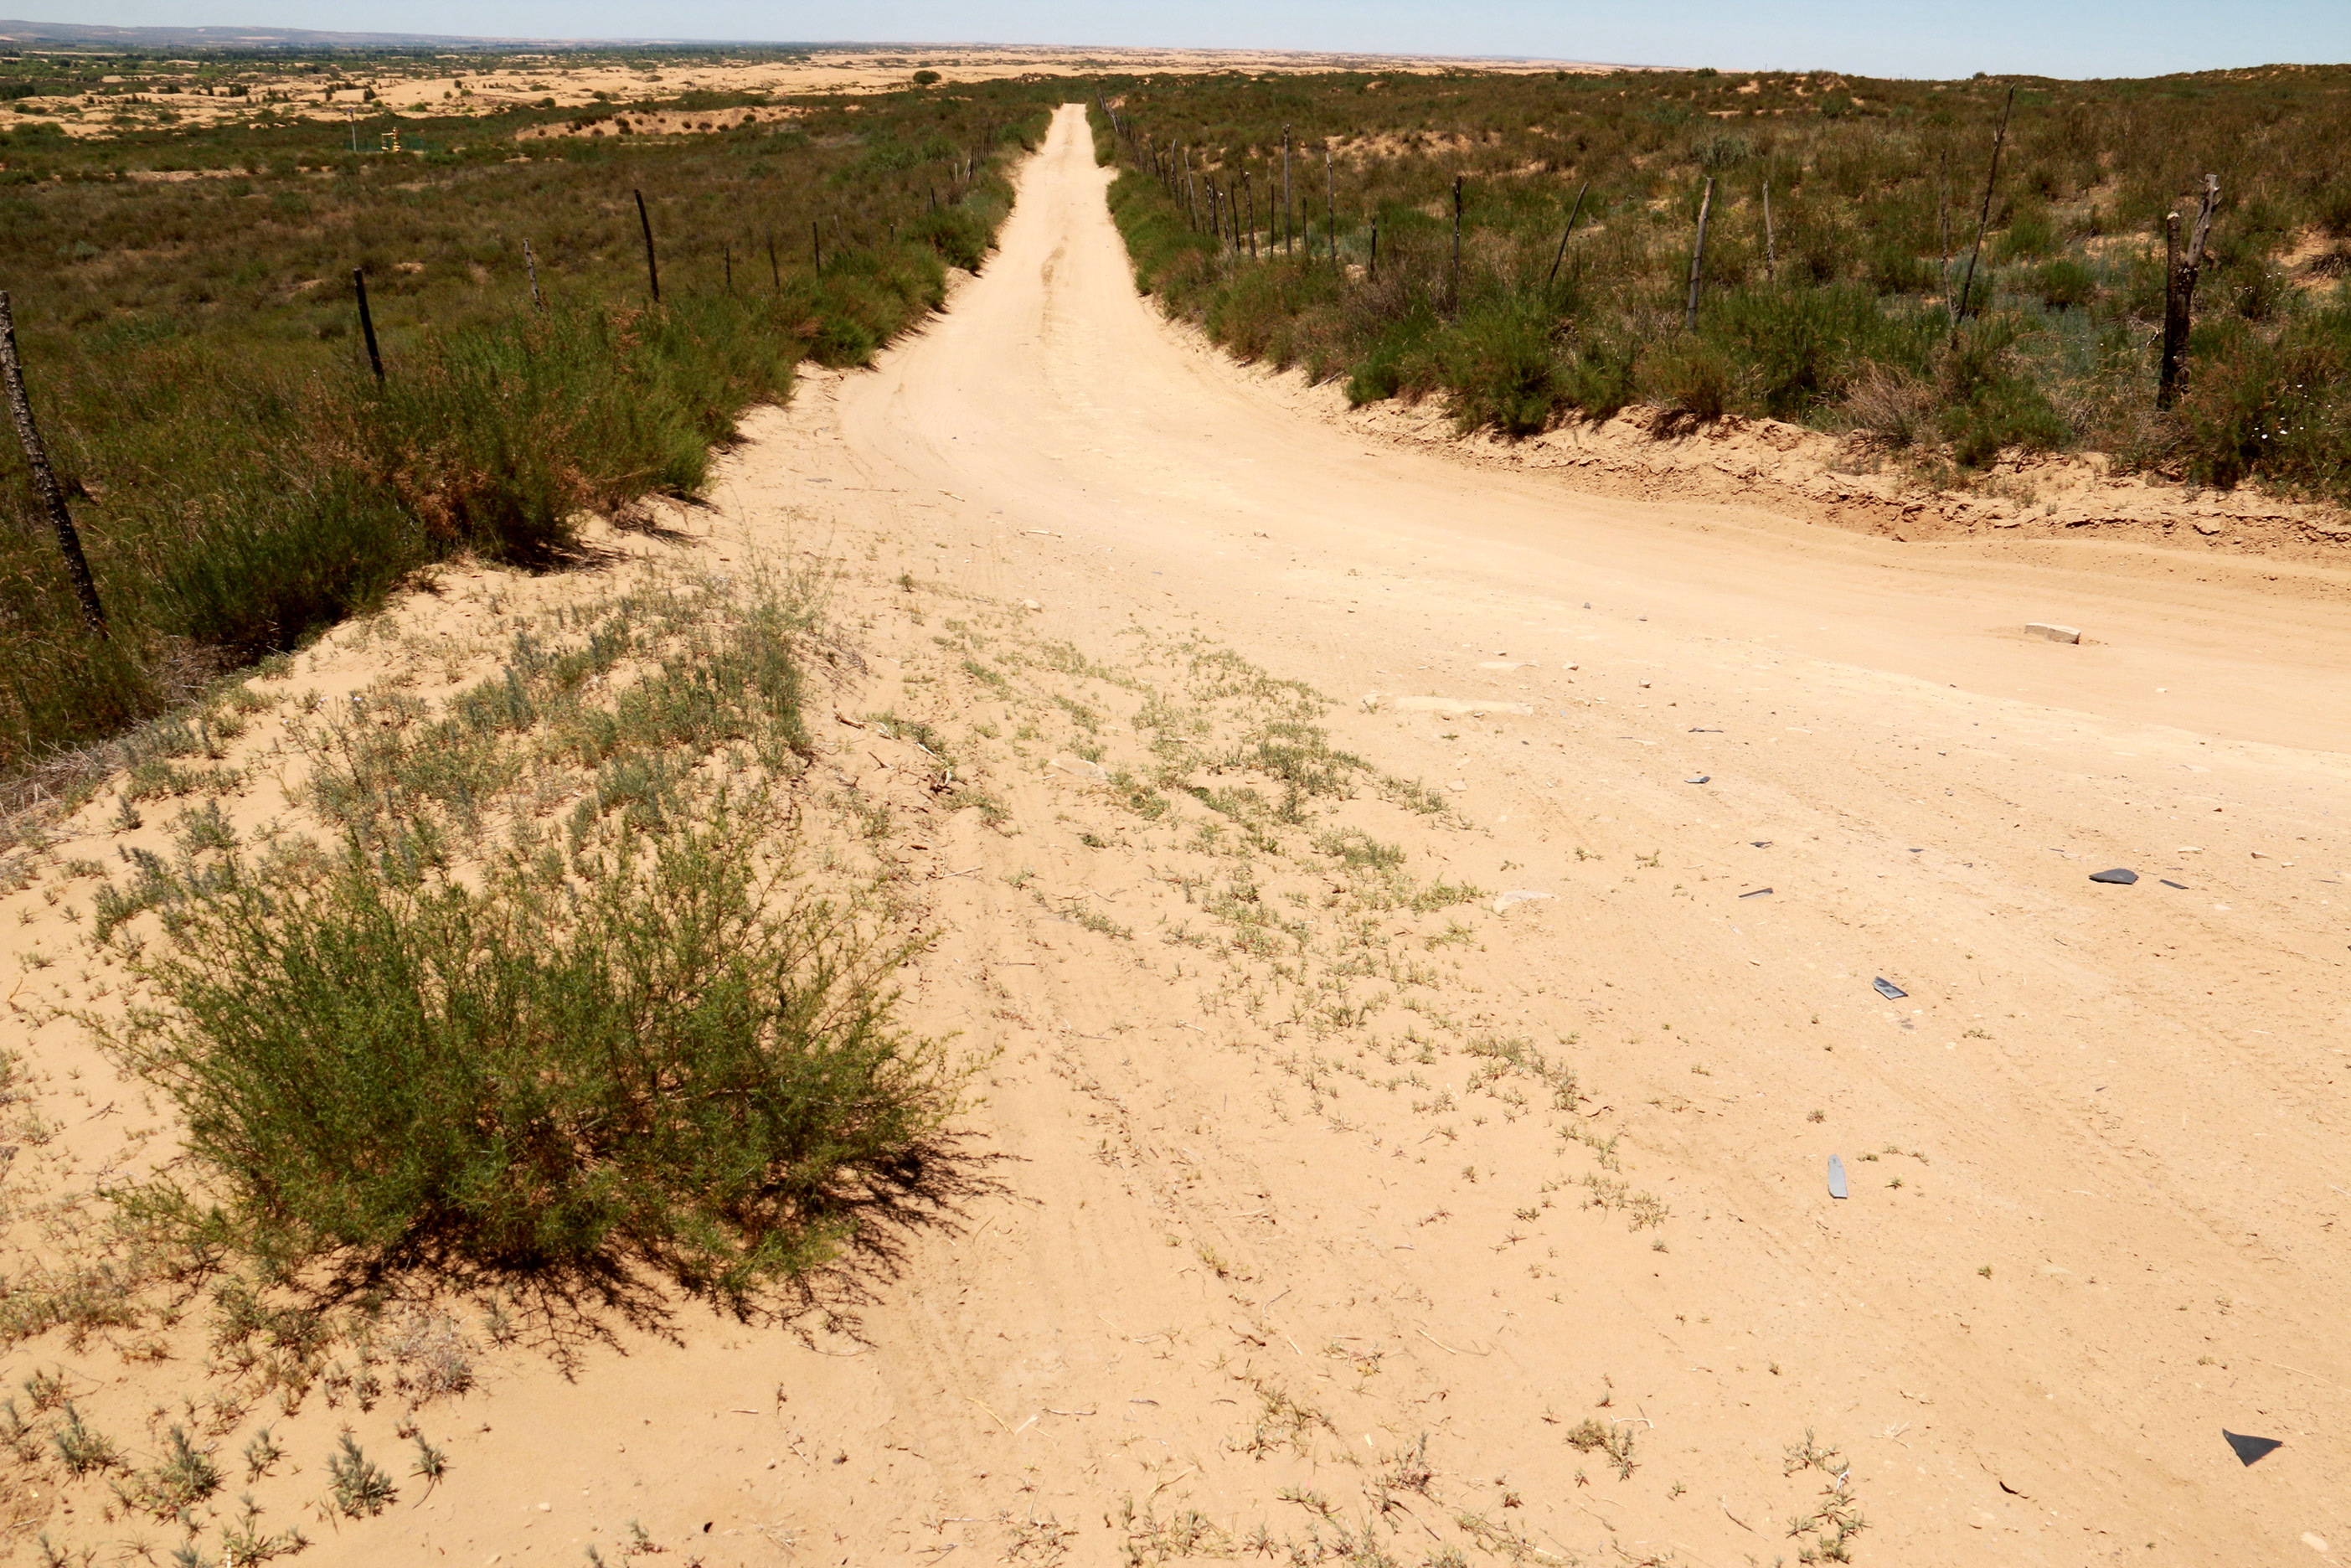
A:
(532, 263)
(1983, 219)
(816, 244)
(1285, 190)
(2179, 289)
(652, 268)
(1375, 247)
(367, 324)
(1772, 247)
(775, 269)
(1697, 255)
(45, 479)
(1249, 190)
(1571, 216)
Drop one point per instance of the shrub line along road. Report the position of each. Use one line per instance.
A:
(2140, 1086)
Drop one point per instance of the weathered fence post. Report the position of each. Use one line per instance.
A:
(1573, 212)
(1249, 190)
(1771, 248)
(2179, 289)
(1983, 218)
(1697, 255)
(1375, 247)
(775, 268)
(367, 324)
(652, 268)
(45, 479)
(1285, 190)
(816, 244)
(530, 262)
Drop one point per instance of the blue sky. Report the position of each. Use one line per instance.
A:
(1955, 37)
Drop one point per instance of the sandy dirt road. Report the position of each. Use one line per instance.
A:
(2131, 1097)
(1282, 1232)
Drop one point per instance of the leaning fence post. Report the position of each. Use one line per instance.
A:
(775, 269)
(45, 478)
(652, 268)
(1698, 254)
(1983, 219)
(367, 324)
(1573, 212)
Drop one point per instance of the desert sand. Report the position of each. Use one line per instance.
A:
(1274, 1236)
(452, 84)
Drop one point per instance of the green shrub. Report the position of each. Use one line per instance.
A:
(1895, 269)
(2333, 209)
(664, 1054)
(1500, 365)
(2274, 410)
(2065, 285)
(1721, 150)
(2029, 234)
(2006, 413)
(1798, 347)
(1600, 378)
(1692, 376)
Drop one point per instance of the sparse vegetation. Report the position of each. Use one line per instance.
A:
(643, 1034)
(239, 478)
(1839, 312)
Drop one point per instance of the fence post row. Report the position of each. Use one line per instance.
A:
(45, 479)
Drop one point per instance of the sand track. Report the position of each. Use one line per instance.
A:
(1216, 1264)
(2131, 1097)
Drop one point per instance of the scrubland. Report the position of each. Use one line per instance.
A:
(186, 311)
(1840, 308)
